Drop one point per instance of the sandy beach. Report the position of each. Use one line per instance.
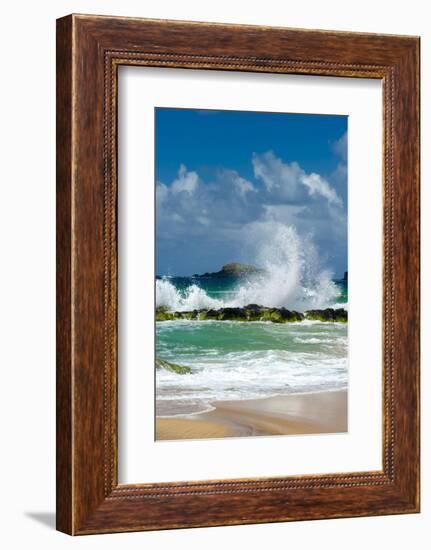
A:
(307, 413)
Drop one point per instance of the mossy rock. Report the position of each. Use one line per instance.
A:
(190, 315)
(270, 314)
(164, 315)
(340, 315)
(253, 312)
(178, 369)
(207, 315)
(291, 316)
(327, 315)
(232, 314)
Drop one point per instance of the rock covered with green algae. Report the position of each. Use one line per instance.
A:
(179, 369)
(254, 312)
(329, 314)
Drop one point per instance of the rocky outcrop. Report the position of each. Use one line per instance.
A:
(329, 314)
(253, 312)
(179, 369)
(233, 270)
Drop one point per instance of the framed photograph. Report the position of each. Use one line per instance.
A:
(237, 274)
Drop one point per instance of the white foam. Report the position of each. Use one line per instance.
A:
(248, 374)
(293, 277)
(192, 298)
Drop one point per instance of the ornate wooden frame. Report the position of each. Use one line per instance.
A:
(89, 51)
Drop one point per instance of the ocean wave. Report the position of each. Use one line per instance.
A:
(339, 305)
(247, 375)
(293, 279)
(255, 360)
(193, 297)
(299, 340)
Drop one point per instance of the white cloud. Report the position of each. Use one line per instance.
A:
(318, 186)
(185, 181)
(162, 193)
(202, 223)
(243, 186)
(277, 176)
(340, 146)
(288, 182)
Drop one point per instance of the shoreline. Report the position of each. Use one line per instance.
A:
(292, 414)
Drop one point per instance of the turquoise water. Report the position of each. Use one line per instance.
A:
(234, 360)
(226, 288)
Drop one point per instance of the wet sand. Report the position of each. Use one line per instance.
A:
(308, 413)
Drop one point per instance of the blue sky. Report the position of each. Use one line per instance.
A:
(222, 174)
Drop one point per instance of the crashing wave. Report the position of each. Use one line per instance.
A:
(194, 297)
(293, 278)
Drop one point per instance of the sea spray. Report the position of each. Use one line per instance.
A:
(292, 278)
(193, 297)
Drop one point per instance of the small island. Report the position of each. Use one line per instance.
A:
(234, 269)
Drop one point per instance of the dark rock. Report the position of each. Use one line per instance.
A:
(232, 314)
(329, 314)
(179, 369)
(234, 269)
(253, 307)
(164, 315)
(253, 312)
